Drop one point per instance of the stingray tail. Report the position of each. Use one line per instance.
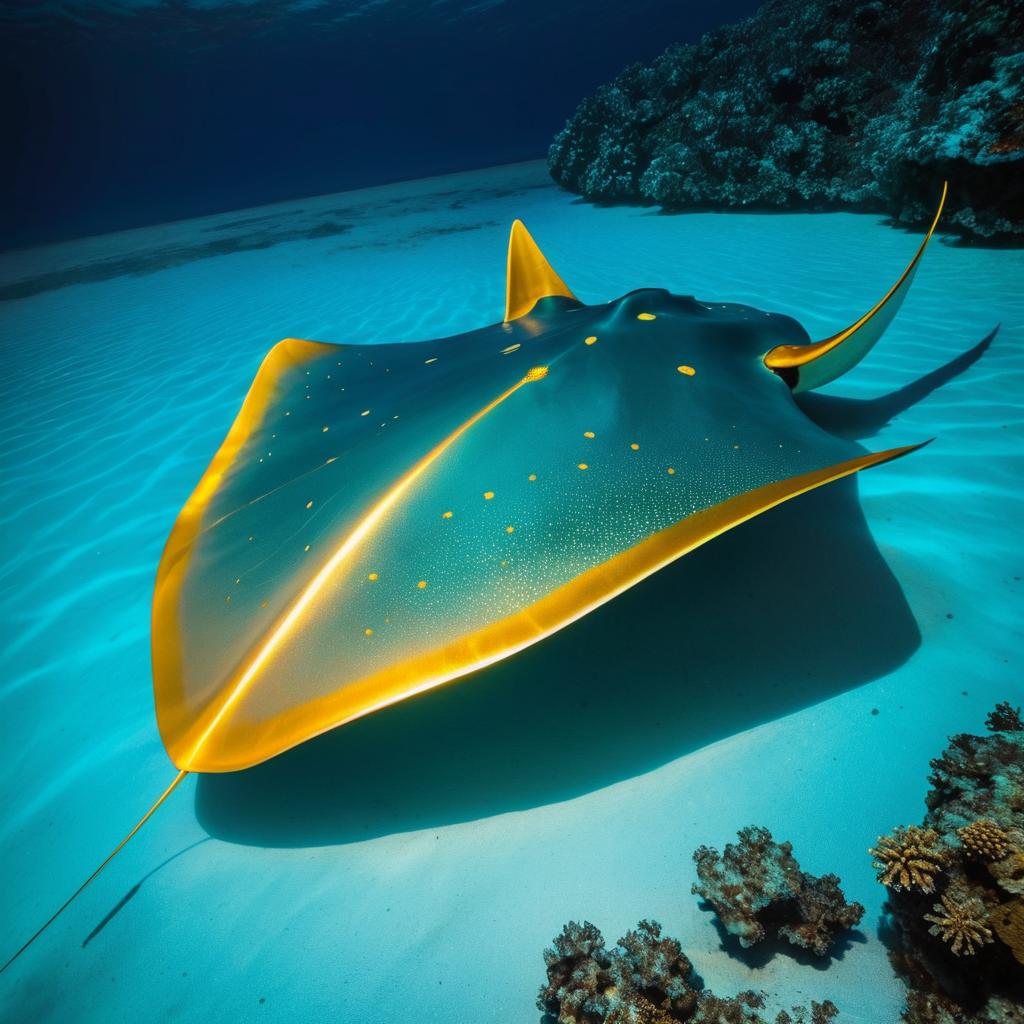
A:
(117, 849)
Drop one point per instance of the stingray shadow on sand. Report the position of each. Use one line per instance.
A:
(788, 610)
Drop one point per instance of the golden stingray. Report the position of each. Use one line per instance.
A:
(384, 519)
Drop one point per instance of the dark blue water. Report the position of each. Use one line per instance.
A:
(122, 114)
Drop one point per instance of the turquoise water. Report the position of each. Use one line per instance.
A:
(414, 867)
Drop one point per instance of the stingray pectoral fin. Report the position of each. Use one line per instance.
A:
(811, 366)
(528, 277)
(229, 742)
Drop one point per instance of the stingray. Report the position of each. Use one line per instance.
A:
(384, 519)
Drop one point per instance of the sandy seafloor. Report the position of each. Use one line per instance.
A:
(416, 871)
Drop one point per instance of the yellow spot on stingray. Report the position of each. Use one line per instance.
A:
(532, 477)
(422, 584)
(536, 373)
(635, 446)
(583, 465)
(590, 340)
(511, 348)
(671, 471)
(309, 504)
(366, 412)
(373, 577)
(510, 529)
(367, 631)
(488, 495)
(432, 359)
(588, 433)
(646, 316)
(688, 370)
(446, 515)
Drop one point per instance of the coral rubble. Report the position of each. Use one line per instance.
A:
(956, 883)
(645, 979)
(839, 104)
(757, 889)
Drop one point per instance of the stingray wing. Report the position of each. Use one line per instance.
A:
(383, 519)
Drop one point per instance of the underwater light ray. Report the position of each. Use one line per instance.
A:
(668, 427)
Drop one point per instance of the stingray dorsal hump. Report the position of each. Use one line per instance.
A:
(529, 276)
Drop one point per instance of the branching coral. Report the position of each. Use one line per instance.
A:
(910, 858)
(963, 955)
(961, 922)
(756, 887)
(984, 840)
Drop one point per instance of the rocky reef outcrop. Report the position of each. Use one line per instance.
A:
(956, 883)
(645, 979)
(758, 891)
(827, 104)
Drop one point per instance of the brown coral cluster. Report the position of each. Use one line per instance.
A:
(909, 858)
(645, 979)
(758, 890)
(961, 921)
(963, 954)
(984, 840)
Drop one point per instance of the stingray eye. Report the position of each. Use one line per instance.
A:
(804, 367)
(790, 374)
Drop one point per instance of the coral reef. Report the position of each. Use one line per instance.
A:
(840, 104)
(757, 889)
(645, 979)
(963, 953)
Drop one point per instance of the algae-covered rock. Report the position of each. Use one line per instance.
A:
(821, 105)
(758, 890)
(645, 979)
